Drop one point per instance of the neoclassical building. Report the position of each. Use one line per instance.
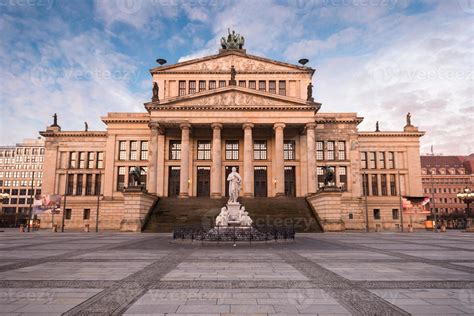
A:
(227, 110)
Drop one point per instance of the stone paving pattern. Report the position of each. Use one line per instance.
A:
(423, 273)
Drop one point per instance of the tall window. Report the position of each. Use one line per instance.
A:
(70, 184)
(259, 150)
(320, 174)
(272, 86)
(289, 150)
(133, 150)
(381, 160)
(375, 190)
(100, 160)
(383, 183)
(330, 150)
(121, 178)
(282, 87)
(98, 184)
(221, 83)
(73, 159)
(192, 86)
(80, 181)
(88, 184)
(372, 162)
(363, 160)
(319, 150)
(87, 214)
(262, 85)
(122, 150)
(341, 149)
(144, 150)
(90, 160)
(202, 85)
(252, 84)
(182, 88)
(204, 150)
(68, 213)
(212, 84)
(232, 150)
(342, 177)
(242, 83)
(393, 186)
(391, 160)
(376, 213)
(175, 149)
(395, 213)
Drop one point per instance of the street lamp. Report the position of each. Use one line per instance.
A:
(467, 196)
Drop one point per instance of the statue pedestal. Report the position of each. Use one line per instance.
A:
(234, 213)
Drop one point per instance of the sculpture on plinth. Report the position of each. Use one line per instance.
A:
(235, 181)
(233, 41)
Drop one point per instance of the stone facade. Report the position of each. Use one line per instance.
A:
(199, 125)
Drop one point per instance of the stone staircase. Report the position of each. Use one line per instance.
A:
(172, 212)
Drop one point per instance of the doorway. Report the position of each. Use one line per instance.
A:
(203, 181)
(260, 181)
(173, 181)
(290, 181)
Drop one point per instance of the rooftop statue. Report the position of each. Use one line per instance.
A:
(233, 41)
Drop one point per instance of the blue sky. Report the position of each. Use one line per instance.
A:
(379, 58)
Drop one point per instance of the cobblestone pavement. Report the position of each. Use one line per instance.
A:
(317, 274)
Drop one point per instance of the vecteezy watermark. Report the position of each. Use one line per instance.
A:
(133, 6)
(306, 6)
(47, 4)
(466, 296)
(394, 73)
(467, 6)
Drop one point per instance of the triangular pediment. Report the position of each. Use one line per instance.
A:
(233, 97)
(223, 62)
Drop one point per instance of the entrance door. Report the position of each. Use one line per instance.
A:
(260, 181)
(228, 170)
(290, 181)
(173, 181)
(203, 181)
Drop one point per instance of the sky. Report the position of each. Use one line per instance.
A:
(379, 58)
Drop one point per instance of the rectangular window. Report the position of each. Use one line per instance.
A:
(372, 161)
(320, 174)
(221, 83)
(289, 150)
(262, 85)
(330, 150)
(144, 150)
(90, 160)
(381, 160)
(232, 150)
(259, 150)
(182, 88)
(376, 213)
(70, 184)
(73, 160)
(375, 186)
(88, 184)
(204, 150)
(391, 160)
(97, 184)
(342, 177)
(133, 150)
(21, 201)
(395, 213)
(100, 160)
(87, 213)
(319, 150)
(175, 149)
(202, 85)
(122, 150)
(212, 84)
(383, 184)
(252, 84)
(121, 178)
(143, 176)
(341, 149)
(272, 86)
(68, 214)
(242, 83)
(282, 87)
(393, 187)
(363, 160)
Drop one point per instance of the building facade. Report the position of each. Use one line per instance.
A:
(443, 177)
(21, 174)
(227, 110)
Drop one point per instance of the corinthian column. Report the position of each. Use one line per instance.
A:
(184, 172)
(311, 152)
(248, 160)
(152, 156)
(279, 161)
(216, 169)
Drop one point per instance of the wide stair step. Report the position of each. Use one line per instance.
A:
(171, 212)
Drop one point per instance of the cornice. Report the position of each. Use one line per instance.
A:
(356, 121)
(158, 107)
(73, 134)
(124, 120)
(391, 134)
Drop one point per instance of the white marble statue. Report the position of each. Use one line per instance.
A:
(222, 218)
(245, 219)
(235, 182)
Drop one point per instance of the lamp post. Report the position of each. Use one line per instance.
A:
(31, 203)
(365, 188)
(433, 209)
(98, 186)
(467, 196)
(65, 195)
(400, 200)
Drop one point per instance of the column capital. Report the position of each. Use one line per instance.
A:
(247, 125)
(216, 125)
(185, 126)
(310, 125)
(279, 125)
(156, 127)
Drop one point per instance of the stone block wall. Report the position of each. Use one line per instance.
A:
(137, 205)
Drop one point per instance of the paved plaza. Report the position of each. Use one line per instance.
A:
(317, 274)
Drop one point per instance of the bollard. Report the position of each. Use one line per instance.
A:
(377, 228)
(443, 228)
(86, 228)
(55, 229)
(22, 228)
(410, 228)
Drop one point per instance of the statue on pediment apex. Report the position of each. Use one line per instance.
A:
(233, 41)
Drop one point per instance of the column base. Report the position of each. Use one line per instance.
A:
(216, 195)
(280, 194)
(248, 195)
(183, 195)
